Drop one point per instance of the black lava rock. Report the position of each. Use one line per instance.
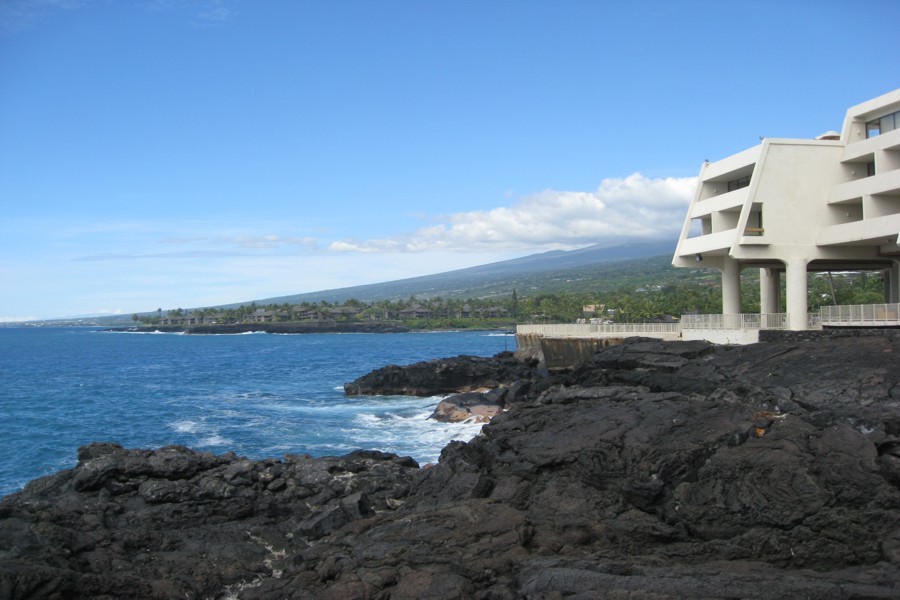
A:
(655, 470)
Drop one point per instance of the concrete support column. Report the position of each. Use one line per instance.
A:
(796, 292)
(731, 287)
(769, 284)
(891, 278)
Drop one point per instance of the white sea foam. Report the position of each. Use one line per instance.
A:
(185, 426)
(214, 440)
(255, 396)
(412, 433)
(154, 332)
(281, 396)
(229, 334)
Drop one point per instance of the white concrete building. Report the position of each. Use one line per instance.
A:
(789, 207)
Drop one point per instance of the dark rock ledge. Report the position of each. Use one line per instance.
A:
(655, 470)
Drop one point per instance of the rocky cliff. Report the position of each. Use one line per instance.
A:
(655, 470)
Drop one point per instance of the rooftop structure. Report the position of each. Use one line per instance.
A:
(793, 206)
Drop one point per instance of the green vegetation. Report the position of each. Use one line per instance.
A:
(639, 290)
(623, 305)
(845, 288)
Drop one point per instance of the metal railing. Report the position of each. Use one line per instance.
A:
(814, 320)
(600, 329)
(860, 314)
(847, 315)
(739, 322)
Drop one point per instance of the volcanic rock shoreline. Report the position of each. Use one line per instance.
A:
(654, 470)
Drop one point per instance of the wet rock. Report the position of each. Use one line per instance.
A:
(443, 376)
(476, 406)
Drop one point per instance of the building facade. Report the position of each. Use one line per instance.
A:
(792, 206)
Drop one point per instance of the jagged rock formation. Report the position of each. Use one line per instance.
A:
(443, 376)
(477, 406)
(175, 522)
(655, 470)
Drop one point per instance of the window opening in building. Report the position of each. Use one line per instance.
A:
(754, 224)
(873, 128)
(737, 184)
(883, 124)
(870, 168)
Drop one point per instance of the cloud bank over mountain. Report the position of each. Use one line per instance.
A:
(227, 260)
(635, 207)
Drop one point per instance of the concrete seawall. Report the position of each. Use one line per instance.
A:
(562, 353)
(556, 354)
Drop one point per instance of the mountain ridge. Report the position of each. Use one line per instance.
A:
(482, 279)
(593, 268)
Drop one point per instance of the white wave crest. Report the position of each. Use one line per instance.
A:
(185, 426)
(214, 440)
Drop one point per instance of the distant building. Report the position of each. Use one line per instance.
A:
(299, 313)
(215, 318)
(180, 320)
(589, 310)
(792, 206)
(262, 315)
(415, 312)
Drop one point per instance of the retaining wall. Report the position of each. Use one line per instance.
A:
(556, 354)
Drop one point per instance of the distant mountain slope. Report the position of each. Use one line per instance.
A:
(586, 270)
(585, 266)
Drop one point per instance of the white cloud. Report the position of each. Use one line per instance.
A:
(142, 242)
(182, 240)
(191, 254)
(204, 13)
(620, 210)
(23, 15)
(216, 12)
(270, 241)
(193, 263)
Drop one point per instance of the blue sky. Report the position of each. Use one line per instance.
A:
(188, 153)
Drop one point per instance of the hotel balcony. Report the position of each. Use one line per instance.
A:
(754, 237)
(721, 202)
(859, 151)
(732, 167)
(877, 231)
(883, 183)
(712, 243)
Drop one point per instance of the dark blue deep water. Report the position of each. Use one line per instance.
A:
(258, 395)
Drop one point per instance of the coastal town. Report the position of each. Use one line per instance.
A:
(328, 313)
(652, 303)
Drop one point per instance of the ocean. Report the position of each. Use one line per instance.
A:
(259, 395)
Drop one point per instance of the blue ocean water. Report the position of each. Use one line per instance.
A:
(258, 395)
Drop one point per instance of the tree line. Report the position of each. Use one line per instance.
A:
(648, 303)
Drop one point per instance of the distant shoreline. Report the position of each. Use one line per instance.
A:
(272, 328)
